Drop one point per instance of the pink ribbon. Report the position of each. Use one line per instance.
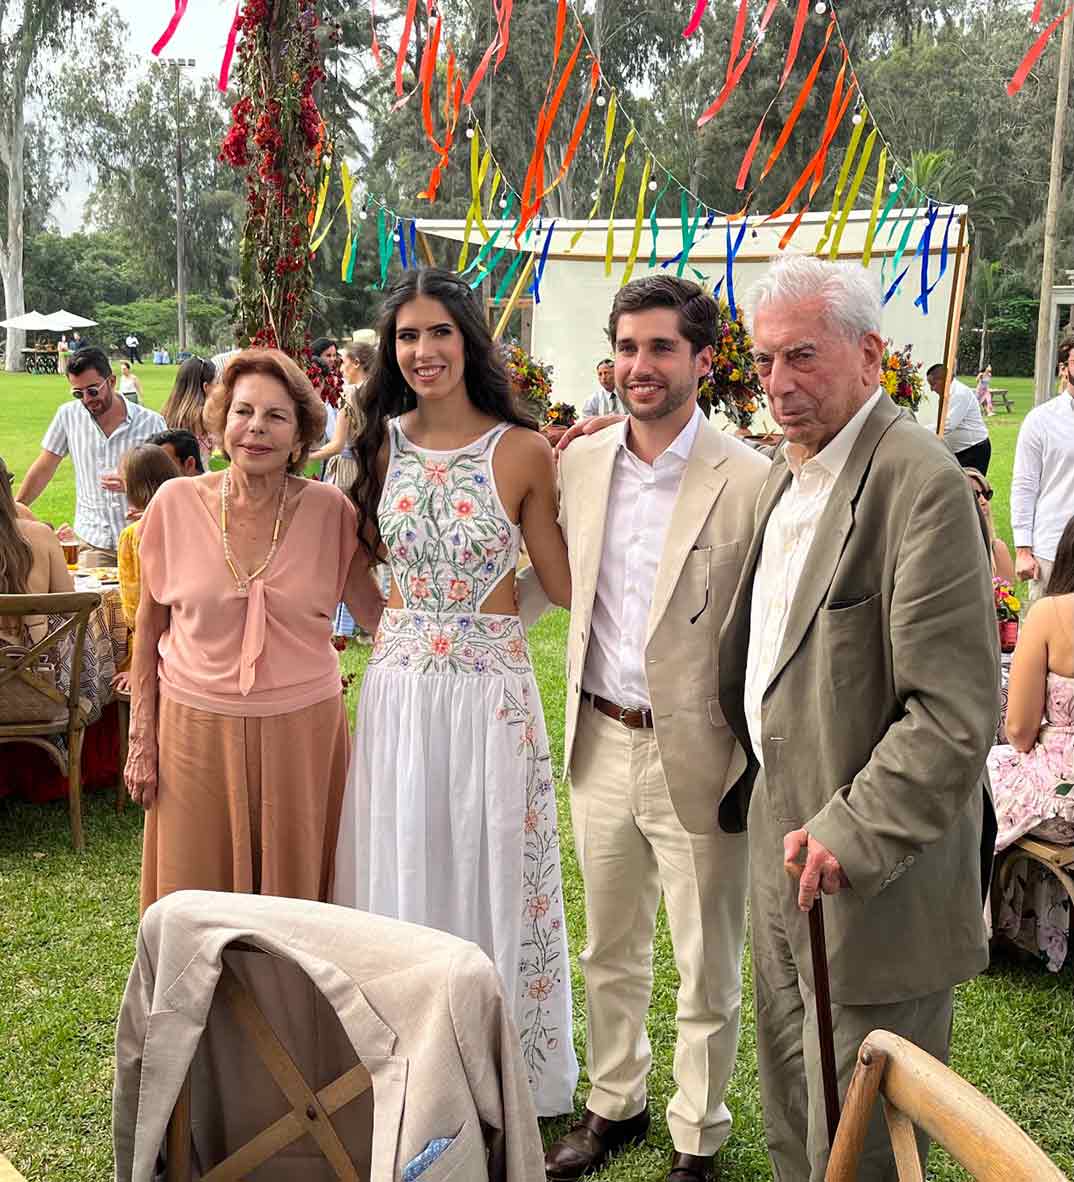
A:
(253, 636)
(229, 51)
(173, 24)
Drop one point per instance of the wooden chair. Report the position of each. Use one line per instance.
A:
(32, 705)
(918, 1090)
(310, 1113)
(1058, 860)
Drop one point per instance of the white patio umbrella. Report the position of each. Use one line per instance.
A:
(30, 322)
(65, 320)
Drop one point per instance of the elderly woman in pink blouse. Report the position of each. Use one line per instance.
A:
(239, 740)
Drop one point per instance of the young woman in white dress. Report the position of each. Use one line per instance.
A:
(449, 817)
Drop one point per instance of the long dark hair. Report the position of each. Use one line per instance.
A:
(16, 553)
(386, 394)
(1062, 580)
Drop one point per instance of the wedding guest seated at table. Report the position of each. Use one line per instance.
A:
(1032, 773)
(999, 551)
(184, 449)
(239, 740)
(31, 559)
(145, 468)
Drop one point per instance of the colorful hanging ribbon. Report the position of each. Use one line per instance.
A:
(796, 39)
(384, 245)
(870, 233)
(473, 214)
(694, 23)
(322, 195)
(732, 251)
(844, 172)
(535, 286)
(374, 44)
(639, 217)
(348, 205)
(512, 270)
(653, 227)
(579, 127)
(229, 49)
(609, 131)
(922, 300)
(404, 42)
(852, 195)
(1035, 50)
(620, 174)
(509, 307)
(169, 32)
(402, 246)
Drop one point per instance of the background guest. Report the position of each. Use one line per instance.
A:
(1002, 562)
(964, 430)
(96, 428)
(1042, 485)
(63, 351)
(239, 737)
(129, 386)
(145, 468)
(342, 468)
(605, 400)
(984, 390)
(183, 448)
(185, 407)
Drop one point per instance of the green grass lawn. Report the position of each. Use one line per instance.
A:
(68, 924)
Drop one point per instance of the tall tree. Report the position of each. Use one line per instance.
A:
(33, 27)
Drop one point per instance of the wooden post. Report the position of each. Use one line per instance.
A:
(825, 1033)
(1045, 361)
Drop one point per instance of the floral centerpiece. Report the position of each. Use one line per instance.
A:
(531, 380)
(732, 387)
(561, 414)
(1008, 605)
(900, 377)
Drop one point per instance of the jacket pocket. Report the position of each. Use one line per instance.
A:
(851, 632)
(716, 715)
(460, 1154)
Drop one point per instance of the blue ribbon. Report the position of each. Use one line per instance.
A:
(891, 290)
(535, 286)
(413, 242)
(922, 300)
(402, 246)
(731, 252)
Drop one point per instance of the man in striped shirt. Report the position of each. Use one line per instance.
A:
(96, 429)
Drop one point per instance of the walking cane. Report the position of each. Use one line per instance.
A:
(825, 1032)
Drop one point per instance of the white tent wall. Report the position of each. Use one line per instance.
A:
(569, 324)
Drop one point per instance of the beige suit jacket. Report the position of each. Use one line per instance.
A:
(422, 1009)
(696, 578)
(879, 714)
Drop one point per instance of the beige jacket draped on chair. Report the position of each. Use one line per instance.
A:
(880, 712)
(422, 1009)
(696, 578)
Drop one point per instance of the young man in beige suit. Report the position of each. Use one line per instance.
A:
(859, 670)
(657, 511)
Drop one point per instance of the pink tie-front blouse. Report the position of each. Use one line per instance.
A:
(268, 652)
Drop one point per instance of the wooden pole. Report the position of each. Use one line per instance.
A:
(1045, 361)
(825, 1033)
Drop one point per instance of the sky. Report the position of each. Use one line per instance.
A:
(201, 35)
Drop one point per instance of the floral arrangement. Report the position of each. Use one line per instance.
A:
(900, 376)
(1008, 605)
(531, 379)
(278, 136)
(561, 414)
(732, 386)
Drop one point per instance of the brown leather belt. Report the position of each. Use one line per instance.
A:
(630, 717)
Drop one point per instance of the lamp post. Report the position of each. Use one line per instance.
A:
(178, 64)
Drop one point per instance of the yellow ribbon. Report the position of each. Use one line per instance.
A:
(639, 217)
(609, 131)
(496, 178)
(348, 205)
(473, 214)
(844, 172)
(509, 307)
(322, 195)
(870, 234)
(620, 173)
(852, 196)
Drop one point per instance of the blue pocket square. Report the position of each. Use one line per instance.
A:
(418, 1165)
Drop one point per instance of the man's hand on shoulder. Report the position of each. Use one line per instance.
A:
(820, 870)
(587, 427)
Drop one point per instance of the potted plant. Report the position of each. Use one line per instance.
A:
(1008, 605)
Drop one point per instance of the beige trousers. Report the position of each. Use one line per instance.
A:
(788, 1051)
(1037, 586)
(631, 847)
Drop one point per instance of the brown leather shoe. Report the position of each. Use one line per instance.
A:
(688, 1167)
(590, 1144)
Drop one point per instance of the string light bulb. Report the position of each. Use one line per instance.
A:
(820, 8)
(601, 100)
(892, 187)
(595, 194)
(857, 118)
(363, 213)
(469, 133)
(503, 202)
(652, 186)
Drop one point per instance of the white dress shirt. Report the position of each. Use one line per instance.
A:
(963, 426)
(1042, 486)
(788, 537)
(603, 402)
(640, 502)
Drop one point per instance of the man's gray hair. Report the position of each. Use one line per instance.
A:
(851, 293)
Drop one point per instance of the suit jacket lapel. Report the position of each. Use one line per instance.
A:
(833, 530)
(591, 507)
(700, 486)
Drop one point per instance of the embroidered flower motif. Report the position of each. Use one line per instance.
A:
(516, 648)
(481, 665)
(464, 508)
(479, 478)
(436, 472)
(541, 988)
(401, 551)
(458, 590)
(405, 504)
(538, 905)
(530, 822)
(530, 734)
(419, 586)
(440, 644)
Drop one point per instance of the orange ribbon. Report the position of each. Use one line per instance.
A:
(796, 39)
(404, 42)
(1036, 49)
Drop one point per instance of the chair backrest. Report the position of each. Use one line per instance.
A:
(919, 1091)
(29, 692)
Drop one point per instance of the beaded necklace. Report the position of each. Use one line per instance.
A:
(242, 583)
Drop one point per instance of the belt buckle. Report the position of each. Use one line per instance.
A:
(623, 712)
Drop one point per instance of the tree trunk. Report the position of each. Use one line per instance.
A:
(12, 145)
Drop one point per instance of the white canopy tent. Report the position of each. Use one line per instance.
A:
(568, 325)
(59, 321)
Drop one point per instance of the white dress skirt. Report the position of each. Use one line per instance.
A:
(449, 816)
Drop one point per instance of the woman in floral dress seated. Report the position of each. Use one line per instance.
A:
(449, 817)
(1032, 776)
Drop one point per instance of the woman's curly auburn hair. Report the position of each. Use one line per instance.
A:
(271, 363)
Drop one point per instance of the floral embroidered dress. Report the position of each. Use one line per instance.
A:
(449, 817)
(1032, 793)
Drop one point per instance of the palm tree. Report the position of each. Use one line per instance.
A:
(954, 181)
(989, 284)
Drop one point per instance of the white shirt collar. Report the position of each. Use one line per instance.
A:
(680, 446)
(833, 457)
